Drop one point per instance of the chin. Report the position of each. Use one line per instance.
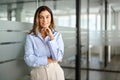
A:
(45, 26)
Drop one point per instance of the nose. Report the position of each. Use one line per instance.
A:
(45, 19)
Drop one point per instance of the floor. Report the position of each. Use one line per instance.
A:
(97, 70)
(111, 74)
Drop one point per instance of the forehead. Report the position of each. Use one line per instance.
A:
(44, 13)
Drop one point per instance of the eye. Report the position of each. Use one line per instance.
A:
(40, 17)
(47, 16)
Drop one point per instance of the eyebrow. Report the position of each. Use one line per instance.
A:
(45, 15)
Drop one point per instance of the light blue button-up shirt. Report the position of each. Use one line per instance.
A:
(38, 50)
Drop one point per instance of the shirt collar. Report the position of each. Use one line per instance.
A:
(39, 34)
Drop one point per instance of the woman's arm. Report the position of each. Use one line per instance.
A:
(57, 47)
(30, 58)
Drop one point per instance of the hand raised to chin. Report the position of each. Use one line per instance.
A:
(49, 33)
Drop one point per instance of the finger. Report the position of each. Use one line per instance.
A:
(43, 29)
(47, 30)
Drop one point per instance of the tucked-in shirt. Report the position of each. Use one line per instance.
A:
(37, 50)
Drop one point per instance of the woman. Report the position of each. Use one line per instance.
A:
(44, 47)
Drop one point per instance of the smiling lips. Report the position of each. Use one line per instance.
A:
(45, 24)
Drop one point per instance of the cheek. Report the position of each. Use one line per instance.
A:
(40, 23)
(50, 21)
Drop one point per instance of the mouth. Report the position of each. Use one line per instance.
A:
(45, 24)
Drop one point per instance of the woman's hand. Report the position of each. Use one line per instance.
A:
(50, 60)
(49, 33)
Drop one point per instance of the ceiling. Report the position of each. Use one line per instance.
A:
(65, 5)
(115, 4)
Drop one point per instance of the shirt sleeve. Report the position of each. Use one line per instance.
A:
(30, 58)
(57, 47)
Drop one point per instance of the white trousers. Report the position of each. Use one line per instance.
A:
(52, 71)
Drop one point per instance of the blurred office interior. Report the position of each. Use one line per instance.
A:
(90, 30)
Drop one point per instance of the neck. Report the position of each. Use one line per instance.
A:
(43, 34)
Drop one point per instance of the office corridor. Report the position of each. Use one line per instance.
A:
(87, 26)
(98, 74)
(96, 71)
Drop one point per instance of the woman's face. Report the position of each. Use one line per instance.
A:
(45, 19)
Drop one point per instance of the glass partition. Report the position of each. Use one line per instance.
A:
(17, 17)
(104, 40)
(99, 35)
(84, 30)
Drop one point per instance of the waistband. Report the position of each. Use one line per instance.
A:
(46, 66)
